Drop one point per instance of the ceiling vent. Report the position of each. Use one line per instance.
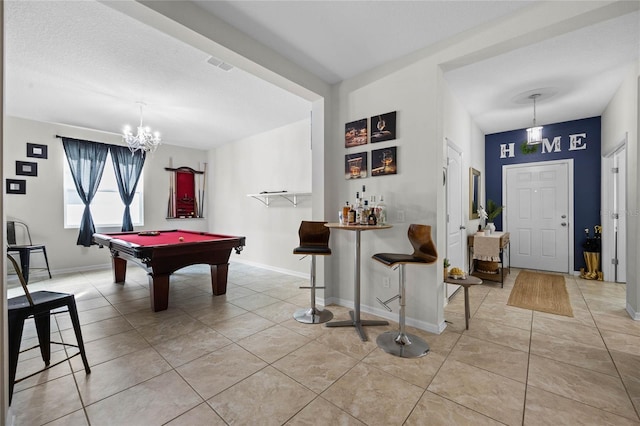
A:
(220, 64)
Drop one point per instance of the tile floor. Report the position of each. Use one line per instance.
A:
(242, 359)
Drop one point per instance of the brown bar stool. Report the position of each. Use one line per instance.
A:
(314, 241)
(400, 343)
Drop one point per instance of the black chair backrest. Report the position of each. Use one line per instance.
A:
(21, 278)
(11, 233)
(18, 233)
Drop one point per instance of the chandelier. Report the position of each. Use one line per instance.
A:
(144, 141)
(534, 133)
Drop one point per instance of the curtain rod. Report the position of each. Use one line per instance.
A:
(102, 143)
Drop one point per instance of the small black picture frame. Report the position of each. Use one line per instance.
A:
(384, 161)
(35, 150)
(355, 133)
(16, 186)
(26, 168)
(383, 127)
(355, 165)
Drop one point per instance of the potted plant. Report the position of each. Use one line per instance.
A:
(493, 210)
(446, 267)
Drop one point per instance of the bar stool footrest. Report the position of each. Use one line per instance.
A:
(385, 303)
(403, 345)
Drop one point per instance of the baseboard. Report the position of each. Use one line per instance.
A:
(633, 314)
(12, 277)
(271, 268)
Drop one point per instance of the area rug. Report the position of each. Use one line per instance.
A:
(541, 292)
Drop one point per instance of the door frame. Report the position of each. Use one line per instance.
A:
(608, 241)
(571, 235)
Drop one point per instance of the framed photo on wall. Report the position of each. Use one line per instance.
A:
(26, 168)
(35, 150)
(383, 127)
(16, 186)
(355, 133)
(355, 166)
(384, 161)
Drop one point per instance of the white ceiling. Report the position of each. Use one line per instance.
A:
(85, 64)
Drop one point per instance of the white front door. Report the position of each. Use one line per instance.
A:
(537, 215)
(455, 229)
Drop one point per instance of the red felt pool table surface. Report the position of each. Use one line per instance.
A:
(162, 253)
(150, 238)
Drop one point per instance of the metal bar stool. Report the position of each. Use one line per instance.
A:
(39, 305)
(314, 241)
(400, 343)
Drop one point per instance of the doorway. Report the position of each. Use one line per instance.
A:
(455, 224)
(614, 219)
(539, 214)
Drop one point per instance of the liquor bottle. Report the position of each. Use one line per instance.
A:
(359, 208)
(345, 212)
(351, 217)
(372, 219)
(364, 216)
(381, 211)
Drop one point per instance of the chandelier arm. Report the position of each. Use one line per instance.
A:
(144, 140)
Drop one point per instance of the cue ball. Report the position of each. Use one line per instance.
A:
(181, 239)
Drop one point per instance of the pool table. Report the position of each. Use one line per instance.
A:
(161, 253)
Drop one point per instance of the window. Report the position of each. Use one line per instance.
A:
(106, 208)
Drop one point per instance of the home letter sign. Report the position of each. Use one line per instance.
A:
(504, 150)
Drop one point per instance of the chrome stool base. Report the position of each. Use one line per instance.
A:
(312, 315)
(404, 345)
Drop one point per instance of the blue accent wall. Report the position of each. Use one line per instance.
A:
(586, 169)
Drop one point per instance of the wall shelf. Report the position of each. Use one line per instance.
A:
(267, 197)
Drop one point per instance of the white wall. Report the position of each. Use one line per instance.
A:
(412, 93)
(278, 160)
(620, 117)
(459, 128)
(42, 207)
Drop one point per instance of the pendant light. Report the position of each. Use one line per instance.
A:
(534, 133)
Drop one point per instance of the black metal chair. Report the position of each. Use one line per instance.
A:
(314, 241)
(24, 247)
(39, 306)
(399, 342)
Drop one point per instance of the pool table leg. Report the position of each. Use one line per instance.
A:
(219, 278)
(119, 269)
(159, 291)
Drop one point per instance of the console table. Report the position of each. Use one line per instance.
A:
(504, 251)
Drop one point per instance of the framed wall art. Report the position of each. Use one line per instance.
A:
(26, 168)
(35, 150)
(384, 161)
(355, 133)
(16, 186)
(355, 166)
(474, 193)
(383, 127)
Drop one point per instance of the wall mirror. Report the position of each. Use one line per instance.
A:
(474, 193)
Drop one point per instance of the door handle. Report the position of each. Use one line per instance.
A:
(564, 224)
(462, 227)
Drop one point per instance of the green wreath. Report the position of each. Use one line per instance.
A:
(528, 149)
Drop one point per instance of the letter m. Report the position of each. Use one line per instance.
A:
(553, 146)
